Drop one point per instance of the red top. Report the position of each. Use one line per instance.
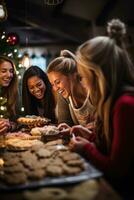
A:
(120, 159)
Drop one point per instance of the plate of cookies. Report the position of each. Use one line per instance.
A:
(33, 121)
(50, 132)
(49, 164)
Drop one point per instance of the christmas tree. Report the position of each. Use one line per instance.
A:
(9, 46)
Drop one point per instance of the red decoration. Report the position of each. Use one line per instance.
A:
(12, 39)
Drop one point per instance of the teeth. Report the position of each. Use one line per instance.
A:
(60, 91)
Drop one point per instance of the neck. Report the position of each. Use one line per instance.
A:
(78, 95)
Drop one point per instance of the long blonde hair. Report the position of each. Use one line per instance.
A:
(113, 73)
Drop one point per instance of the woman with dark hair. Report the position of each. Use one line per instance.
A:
(37, 96)
(8, 91)
(104, 63)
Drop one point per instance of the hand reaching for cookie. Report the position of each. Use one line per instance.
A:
(77, 143)
(63, 126)
(83, 132)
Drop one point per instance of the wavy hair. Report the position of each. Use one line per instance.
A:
(30, 103)
(113, 74)
(10, 92)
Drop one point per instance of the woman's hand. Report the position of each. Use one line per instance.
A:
(4, 126)
(77, 144)
(63, 126)
(81, 131)
(91, 126)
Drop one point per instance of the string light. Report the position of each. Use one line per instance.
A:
(22, 109)
(15, 50)
(17, 72)
(19, 77)
(20, 65)
(9, 54)
(26, 61)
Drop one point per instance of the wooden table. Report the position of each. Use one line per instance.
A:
(94, 189)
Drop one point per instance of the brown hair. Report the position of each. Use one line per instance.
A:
(10, 92)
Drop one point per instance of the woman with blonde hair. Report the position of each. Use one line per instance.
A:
(74, 106)
(104, 63)
(9, 91)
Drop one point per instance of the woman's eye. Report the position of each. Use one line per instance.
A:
(57, 82)
(39, 85)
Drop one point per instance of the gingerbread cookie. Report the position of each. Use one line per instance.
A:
(15, 178)
(54, 170)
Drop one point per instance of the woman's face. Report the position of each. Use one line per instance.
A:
(6, 73)
(36, 87)
(60, 83)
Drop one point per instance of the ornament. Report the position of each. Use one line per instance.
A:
(12, 39)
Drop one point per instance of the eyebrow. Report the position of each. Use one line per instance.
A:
(56, 80)
(37, 83)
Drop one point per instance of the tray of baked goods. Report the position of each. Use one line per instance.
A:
(43, 164)
(23, 140)
(33, 121)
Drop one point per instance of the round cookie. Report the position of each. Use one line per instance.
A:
(52, 170)
(36, 174)
(15, 178)
(46, 194)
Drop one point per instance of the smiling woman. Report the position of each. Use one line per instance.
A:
(8, 91)
(37, 96)
(8, 83)
(74, 106)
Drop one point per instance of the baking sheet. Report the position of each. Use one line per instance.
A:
(90, 172)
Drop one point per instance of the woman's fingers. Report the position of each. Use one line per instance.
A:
(4, 125)
(3, 130)
(63, 126)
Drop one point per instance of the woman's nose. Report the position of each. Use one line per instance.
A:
(36, 89)
(56, 88)
(8, 74)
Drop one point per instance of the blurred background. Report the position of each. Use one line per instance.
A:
(38, 29)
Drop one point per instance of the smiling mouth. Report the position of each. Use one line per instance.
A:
(60, 91)
(6, 81)
(38, 94)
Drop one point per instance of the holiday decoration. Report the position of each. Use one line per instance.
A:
(12, 39)
(3, 107)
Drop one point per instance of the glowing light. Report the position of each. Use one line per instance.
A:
(26, 61)
(19, 77)
(22, 109)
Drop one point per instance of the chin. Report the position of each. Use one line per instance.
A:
(65, 96)
(39, 98)
(5, 84)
